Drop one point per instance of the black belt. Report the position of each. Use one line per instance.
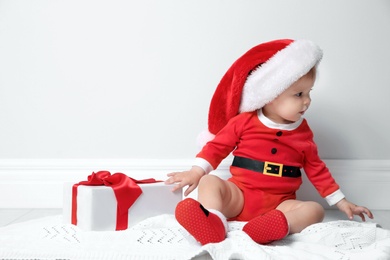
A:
(267, 168)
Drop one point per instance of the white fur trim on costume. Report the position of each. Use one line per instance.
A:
(273, 77)
(334, 197)
(271, 124)
(204, 164)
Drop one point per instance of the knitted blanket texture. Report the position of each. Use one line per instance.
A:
(162, 237)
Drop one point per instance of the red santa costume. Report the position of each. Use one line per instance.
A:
(267, 156)
(267, 162)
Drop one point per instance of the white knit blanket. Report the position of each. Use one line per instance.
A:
(162, 237)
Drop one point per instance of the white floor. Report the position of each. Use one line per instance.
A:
(11, 216)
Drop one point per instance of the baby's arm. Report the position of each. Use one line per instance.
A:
(351, 209)
(190, 178)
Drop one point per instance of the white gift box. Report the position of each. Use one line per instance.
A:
(97, 205)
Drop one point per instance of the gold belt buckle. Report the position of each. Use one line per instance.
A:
(267, 169)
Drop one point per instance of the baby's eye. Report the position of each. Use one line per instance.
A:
(299, 94)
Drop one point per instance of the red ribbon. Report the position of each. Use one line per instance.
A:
(126, 192)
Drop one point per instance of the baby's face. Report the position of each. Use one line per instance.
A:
(289, 106)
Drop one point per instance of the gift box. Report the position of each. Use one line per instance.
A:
(108, 203)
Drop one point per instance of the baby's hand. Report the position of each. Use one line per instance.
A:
(190, 178)
(351, 209)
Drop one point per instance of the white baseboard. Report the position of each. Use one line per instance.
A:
(38, 183)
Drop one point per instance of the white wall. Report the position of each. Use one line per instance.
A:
(133, 79)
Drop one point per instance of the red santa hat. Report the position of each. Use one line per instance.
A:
(257, 78)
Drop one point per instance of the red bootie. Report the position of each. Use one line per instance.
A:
(266, 228)
(203, 225)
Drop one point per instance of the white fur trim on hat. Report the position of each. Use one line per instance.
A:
(204, 137)
(273, 77)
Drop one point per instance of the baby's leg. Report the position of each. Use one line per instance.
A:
(218, 194)
(205, 219)
(301, 214)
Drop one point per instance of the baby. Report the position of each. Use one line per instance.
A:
(256, 113)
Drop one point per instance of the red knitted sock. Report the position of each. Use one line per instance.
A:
(269, 227)
(203, 225)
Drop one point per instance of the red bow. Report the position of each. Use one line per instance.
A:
(126, 192)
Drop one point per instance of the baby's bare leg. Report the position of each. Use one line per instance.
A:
(224, 196)
(301, 214)
(205, 219)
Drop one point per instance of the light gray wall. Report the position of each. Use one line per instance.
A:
(133, 79)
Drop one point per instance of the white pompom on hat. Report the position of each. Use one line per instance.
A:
(257, 78)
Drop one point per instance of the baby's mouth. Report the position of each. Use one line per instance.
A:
(303, 111)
